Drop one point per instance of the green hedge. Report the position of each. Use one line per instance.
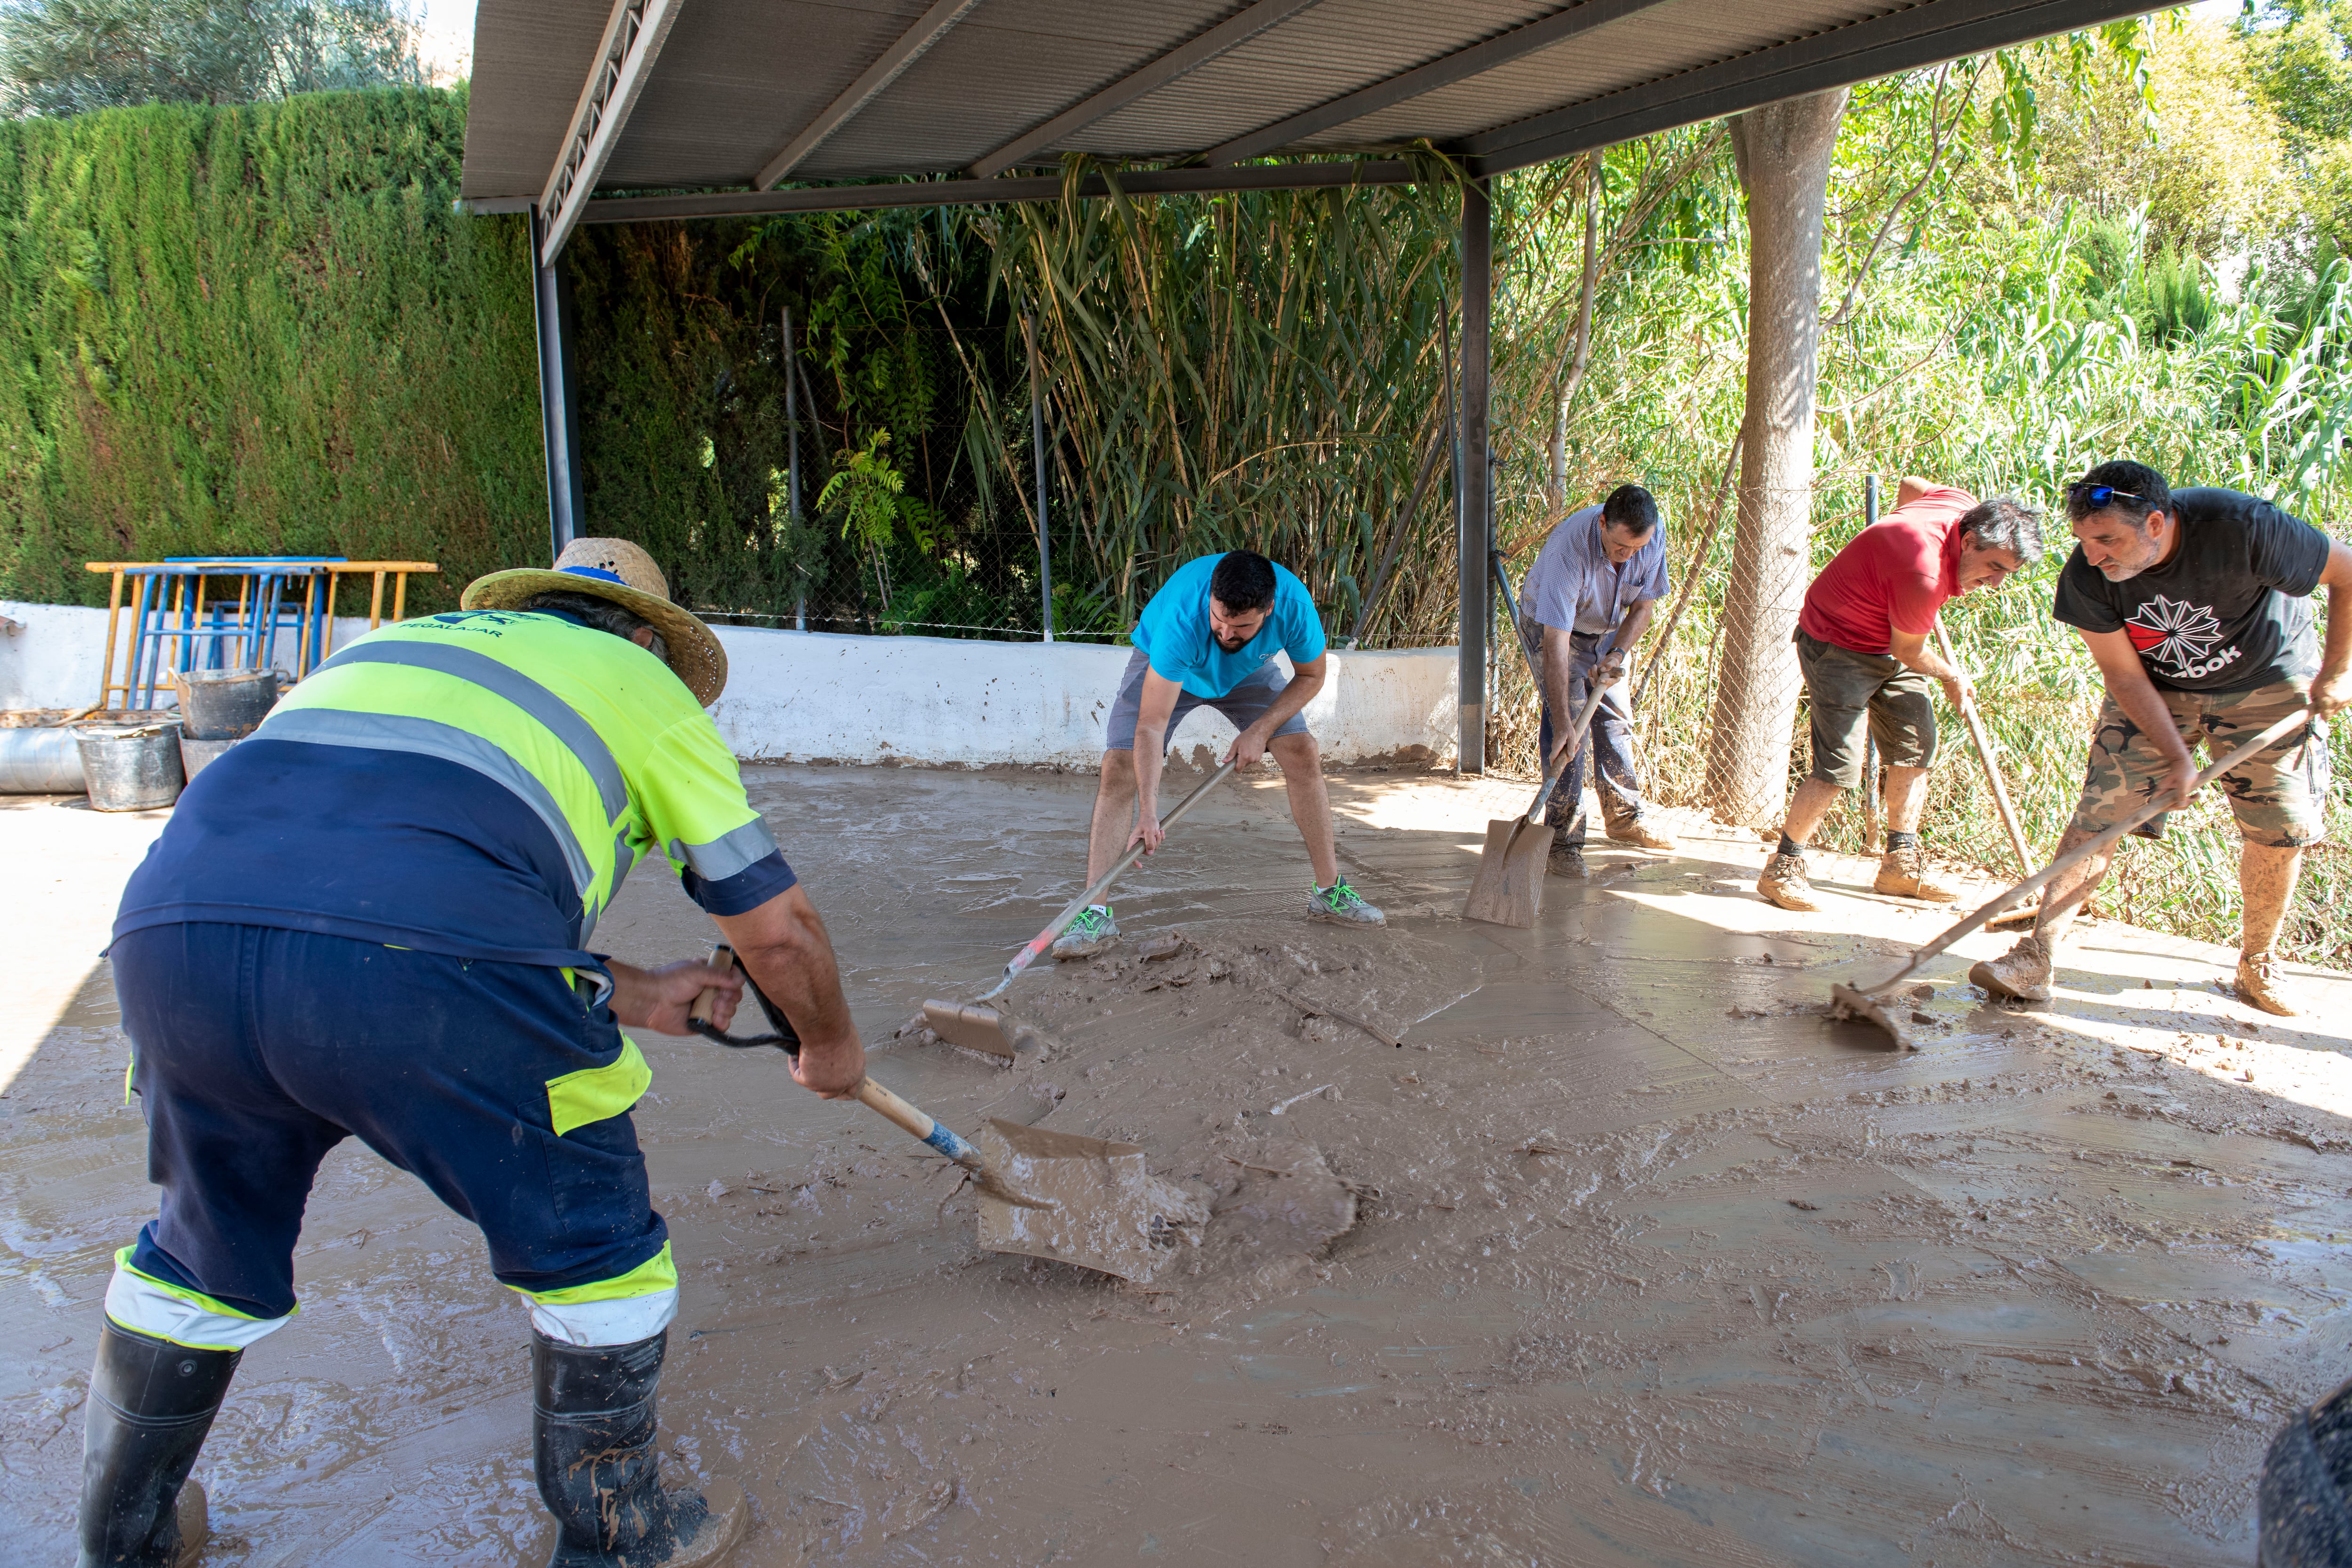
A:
(260, 330)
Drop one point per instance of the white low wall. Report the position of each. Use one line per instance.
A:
(931, 701)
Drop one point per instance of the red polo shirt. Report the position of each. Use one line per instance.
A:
(1891, 577)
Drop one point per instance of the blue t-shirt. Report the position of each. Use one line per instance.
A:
(1175, 634)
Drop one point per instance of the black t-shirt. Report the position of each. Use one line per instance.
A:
(2230, 612)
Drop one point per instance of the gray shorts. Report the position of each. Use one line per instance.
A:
(1245, 704)
(1851, 691)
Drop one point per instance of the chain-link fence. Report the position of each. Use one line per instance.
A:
(934, 536)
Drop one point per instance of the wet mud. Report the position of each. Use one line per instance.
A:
(1594, 1243)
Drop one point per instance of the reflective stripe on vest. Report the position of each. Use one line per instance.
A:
(517, 687)
(603, 742)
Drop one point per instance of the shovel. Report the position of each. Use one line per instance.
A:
(1846, 1002)
(1508, 889)
(976, 1025)
(1086, 1201)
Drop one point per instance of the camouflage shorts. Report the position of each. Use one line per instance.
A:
(2279, 797)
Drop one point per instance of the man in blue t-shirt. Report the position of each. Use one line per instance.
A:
(1208, 639)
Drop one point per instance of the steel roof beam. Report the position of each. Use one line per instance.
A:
(929, 28)
(1445, 71)
(1861, 51)
(1226, 36)
(633, 37)
(1019, 188)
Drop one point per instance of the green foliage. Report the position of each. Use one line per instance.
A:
(64, 57)
(2302, 55)
(1257, 370)
(260, 330)
(2003, 336)
(871, 498)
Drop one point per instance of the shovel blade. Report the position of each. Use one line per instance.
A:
(1508, 889)
(976, 1028)
(1847, 1004)
(1109, 1214)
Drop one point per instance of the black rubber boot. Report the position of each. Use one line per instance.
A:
(151, 1404)
(2306, 1488)
(593, 1427)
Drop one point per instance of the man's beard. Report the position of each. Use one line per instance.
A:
(1235, 646)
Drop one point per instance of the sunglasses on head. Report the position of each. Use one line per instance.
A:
(2097, 496)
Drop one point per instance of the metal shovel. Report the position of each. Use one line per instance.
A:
(1508, 889)
(1845, 1002)
(1086, 1201)
(978, 1026)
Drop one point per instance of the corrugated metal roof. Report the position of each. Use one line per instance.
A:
(737, 80)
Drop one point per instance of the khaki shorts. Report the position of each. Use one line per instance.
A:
(2279, 797)
(1849, 691)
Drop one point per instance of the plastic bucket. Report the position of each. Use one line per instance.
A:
(226, 704)
(131, 767)
(196, 756)
(39, 762)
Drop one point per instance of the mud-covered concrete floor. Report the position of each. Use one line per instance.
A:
(1651, 1264)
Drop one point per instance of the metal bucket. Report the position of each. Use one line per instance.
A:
(131, 767)
(226, 704)
(196, 755)
(39, 762)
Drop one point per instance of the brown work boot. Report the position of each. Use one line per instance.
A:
(1639, 836)
(2023, 973)
(1904, 874)
(1783, 883)
(2261, 985)
(1566, 860)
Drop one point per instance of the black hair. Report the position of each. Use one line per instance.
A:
(2144, 486)
(1243, 580)
(601, 614)
(2002, 523)
(1630, 507)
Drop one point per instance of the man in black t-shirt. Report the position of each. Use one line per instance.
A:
(2197, 605)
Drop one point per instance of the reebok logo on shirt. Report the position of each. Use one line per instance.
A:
(2177, 637)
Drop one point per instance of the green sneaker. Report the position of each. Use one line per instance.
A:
(1342, 905)
(1093, 931)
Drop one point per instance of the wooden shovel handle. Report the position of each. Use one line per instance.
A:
(1984, 755)
(722, 957)
(2105, 841)
(909, 1120)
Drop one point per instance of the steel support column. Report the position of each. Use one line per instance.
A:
(1473, 485)
(1037, 451)
(559, 393)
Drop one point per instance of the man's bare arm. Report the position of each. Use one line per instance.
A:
(2128, 682)
(1911, 487)
(1628, 633)
(1558, 659)
(1917, 653)
(1159, 701)
(1306, 680)
(784, 946)
(2332, 692)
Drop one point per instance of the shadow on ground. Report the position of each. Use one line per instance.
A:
(1651, 1263)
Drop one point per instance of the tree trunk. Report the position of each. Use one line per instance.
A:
(1783, 154)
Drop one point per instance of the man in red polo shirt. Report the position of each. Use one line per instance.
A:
(1862, 645)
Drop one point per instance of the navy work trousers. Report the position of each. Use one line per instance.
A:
(257, 1050)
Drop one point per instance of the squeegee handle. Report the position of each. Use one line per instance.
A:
(2106, 840)
(907, 1118)
(1097, 887)
(1570, 743)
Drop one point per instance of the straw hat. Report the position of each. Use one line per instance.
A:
(617, 570)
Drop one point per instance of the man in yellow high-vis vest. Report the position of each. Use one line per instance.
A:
(373, 917)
